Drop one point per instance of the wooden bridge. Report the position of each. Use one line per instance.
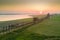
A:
(22, 25)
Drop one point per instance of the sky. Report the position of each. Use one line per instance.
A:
(20, 9)
(40, 6)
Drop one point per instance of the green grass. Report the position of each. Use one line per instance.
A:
(49, 27)
(4, 23)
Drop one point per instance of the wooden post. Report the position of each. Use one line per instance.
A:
(3, 30)
(9, 27)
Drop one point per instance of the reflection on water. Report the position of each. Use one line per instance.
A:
(13, 17)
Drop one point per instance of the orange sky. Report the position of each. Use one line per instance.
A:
(35, 7)
(30, 7)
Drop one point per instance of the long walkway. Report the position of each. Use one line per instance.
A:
(25, 25)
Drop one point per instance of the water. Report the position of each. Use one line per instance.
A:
(13, 17)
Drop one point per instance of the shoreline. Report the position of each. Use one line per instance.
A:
(12, 20)
(13, 17)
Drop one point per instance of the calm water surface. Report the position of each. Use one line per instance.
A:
(13, 17)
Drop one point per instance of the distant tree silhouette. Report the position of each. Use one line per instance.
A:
(35, 19)
(48, 14)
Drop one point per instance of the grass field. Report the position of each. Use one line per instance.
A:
(49, 27)
(4, 23)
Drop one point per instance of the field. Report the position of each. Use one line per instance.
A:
(49, 27)
(4, 23)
